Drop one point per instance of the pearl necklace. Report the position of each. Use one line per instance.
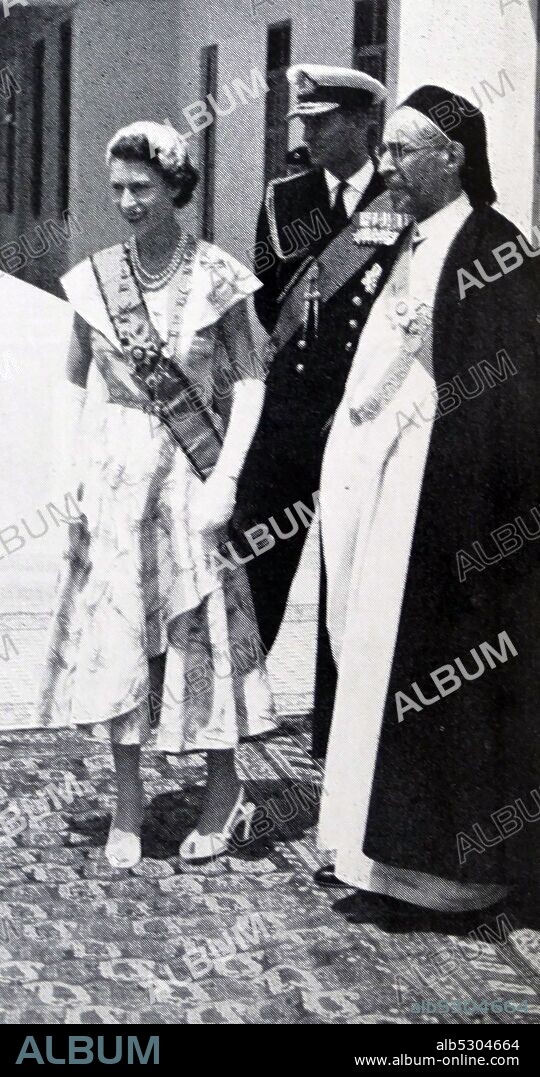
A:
(152, 282)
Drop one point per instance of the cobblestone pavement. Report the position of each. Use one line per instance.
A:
(246, 939)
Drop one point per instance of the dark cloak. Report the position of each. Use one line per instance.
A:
(476, 751)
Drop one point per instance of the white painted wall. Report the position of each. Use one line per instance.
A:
(36, 328)
(125, 68)
(465, 45)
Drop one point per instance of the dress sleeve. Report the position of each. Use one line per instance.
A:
(237, 337)
(80, 353)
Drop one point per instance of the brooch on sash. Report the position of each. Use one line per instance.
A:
(378, 228)
(414, 318)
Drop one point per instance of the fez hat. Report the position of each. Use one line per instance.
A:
(319, 88)
(461, 122)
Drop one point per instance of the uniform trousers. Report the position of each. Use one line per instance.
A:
(263, 494)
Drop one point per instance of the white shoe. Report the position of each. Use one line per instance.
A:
(123, 849)
(206, 846)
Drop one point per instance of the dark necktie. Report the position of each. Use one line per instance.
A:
(340, 217)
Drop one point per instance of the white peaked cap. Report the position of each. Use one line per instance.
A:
(321, 88)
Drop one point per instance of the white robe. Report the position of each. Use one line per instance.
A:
(370, 488)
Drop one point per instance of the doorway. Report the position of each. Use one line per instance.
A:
(35, 108)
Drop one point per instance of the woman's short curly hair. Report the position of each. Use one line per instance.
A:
(165, 153)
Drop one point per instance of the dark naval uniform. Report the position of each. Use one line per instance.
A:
(305, 385)
(296, 220)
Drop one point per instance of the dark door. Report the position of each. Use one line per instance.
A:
(35, 227)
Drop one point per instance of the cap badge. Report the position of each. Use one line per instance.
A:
(305, 85)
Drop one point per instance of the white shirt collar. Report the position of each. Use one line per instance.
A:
(446, 221)
(357, 186)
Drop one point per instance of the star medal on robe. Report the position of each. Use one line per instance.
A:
(414, 318)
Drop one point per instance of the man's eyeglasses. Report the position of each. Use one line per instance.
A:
(398, 153)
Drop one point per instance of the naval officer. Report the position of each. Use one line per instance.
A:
(318, 255)
(302, 212)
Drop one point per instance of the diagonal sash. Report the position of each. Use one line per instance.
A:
(155, 365)
(339, 262)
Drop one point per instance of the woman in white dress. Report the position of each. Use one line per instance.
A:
(154, 637)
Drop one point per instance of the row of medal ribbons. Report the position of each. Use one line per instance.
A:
(380, 227)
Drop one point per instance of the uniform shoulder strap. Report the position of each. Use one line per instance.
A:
(281, 190)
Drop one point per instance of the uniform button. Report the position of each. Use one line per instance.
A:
(357, 301)
(353, 323)
(300, 368)
(302, 344)
(349, 346)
